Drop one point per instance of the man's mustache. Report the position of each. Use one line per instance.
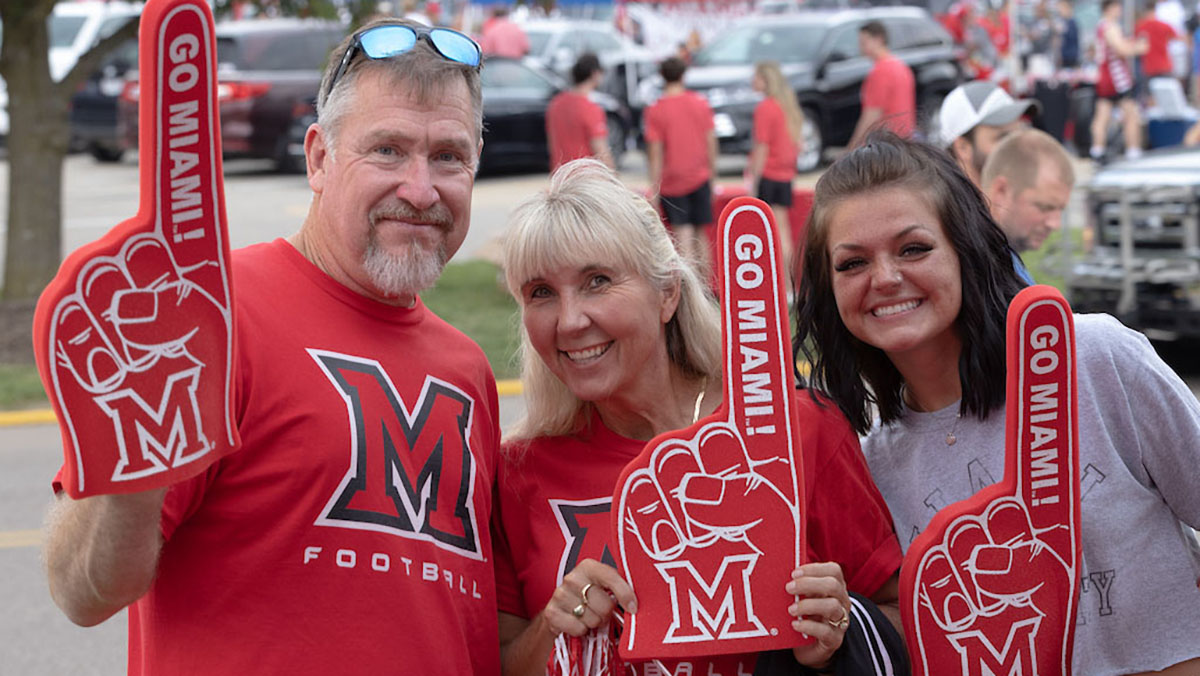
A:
(437, 215)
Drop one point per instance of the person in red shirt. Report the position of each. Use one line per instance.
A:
(1114, 86)
(681, 149)
(889, 94)
(1156, 62)
(778, 138)
(501, 37)
(575, 125)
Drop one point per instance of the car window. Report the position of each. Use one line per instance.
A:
(111, 25)
(750, 44)
(279, 51)
(600, 43)
(844, 43)
(512, 75)
(899, 33)
(928, 33)
(64, 29)
(538, 41)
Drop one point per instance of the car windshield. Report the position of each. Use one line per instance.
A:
(306, 51)
(63, 30)
(538, 41)
(750, 44)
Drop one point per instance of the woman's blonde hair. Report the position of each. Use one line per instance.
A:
(588, 216)
(778, 88)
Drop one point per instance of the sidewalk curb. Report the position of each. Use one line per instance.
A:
(45, 416)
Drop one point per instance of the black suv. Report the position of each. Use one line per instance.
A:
(268, 73)
(818, 52)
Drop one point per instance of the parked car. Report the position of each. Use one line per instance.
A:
(95, 106)
(818, 52)
(269, 71)
(1143, 266)
(515, 95)
(557, 43)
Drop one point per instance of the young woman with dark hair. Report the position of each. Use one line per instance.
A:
(903, 310)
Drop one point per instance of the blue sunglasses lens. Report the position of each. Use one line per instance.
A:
(387, 41)
(455, 46)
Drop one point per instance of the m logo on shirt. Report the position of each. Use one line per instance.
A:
(584, 525)
(411, 471)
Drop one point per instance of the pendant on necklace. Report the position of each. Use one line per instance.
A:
(950, 439)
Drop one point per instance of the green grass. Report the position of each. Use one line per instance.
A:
(20, 387)
(1049, 263)
(471, 296)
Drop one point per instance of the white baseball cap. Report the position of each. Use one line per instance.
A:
(980, 102)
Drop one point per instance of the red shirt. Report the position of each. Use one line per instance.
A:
(572, 121)
(298, 554)
(890, 87)
(504, 38)
(771, 128)
(1156, 61)
(554, 498)
(681, 123)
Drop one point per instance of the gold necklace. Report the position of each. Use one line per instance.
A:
(699, 399)
(907, 397)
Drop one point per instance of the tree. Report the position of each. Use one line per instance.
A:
(39, 127)
(39, 131)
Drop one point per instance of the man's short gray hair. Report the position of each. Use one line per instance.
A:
(422, 70)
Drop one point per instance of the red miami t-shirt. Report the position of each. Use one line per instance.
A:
(771, 128)
(572, 121)
(351, 530)
(681, 123)
(555, 494)
(1156, 61)
(890, 87)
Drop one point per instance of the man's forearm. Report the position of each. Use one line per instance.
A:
(102, 552)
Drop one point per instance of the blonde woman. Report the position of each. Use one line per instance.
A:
(778, 139)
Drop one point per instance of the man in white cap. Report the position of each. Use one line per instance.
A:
(975, 117)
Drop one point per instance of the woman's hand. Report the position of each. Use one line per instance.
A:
(586, 598)
(822, 613)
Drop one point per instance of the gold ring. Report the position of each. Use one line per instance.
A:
(842, 623)
(586, 588)
(579, 610)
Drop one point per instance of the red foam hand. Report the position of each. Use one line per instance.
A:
(991, 586)
(709, 519)
(134, 336)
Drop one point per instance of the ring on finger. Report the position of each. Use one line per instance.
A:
(579, 610)
(586, 588)
(841, 623)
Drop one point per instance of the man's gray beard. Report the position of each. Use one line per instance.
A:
(406, 273)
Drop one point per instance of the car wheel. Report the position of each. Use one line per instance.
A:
(105, 153)
(616, 139)
(814, 146)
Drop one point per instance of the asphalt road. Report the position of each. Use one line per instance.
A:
(35, 638)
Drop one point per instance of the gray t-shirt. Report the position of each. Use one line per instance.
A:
(1139, 447)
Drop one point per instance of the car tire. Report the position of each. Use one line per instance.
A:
(809, 158)
(616, 139)
(106, 154)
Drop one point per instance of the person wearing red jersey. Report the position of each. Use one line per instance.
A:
(1157, 34)
(889, 93)
(681, 150)
(778, 139)
(1115, 82)
(368, 425)
(621, 342)
(502, 37)
(575, 125)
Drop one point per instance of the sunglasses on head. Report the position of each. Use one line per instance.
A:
(384, 42)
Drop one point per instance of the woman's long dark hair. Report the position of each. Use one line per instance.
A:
(854, 374)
